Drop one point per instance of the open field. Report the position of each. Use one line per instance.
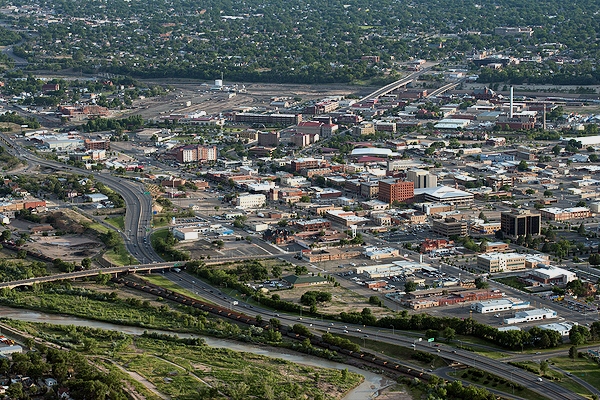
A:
(582, 368)
(494, 382)
(188, 369)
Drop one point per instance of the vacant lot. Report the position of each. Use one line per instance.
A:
(342, 300)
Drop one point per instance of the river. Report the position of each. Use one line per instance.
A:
(367, 390)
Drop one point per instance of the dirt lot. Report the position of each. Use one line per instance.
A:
(70, 247)
(342, 300)
(67, 247)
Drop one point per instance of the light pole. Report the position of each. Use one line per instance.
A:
(393, 330)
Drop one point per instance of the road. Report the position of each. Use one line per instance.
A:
(544, 388)
(394, 85)
(138, 212)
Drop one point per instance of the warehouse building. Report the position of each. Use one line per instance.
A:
(537, 314)
(499, 305)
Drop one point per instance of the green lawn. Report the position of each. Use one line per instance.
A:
(120, 256)
(159, 234)
(511, 281)
(98, 227)
(582, 368)
(160, 280)
(159, 221)
(118, 222)
(493, 382)
(190, 371)
(556, 376)
(398, 352)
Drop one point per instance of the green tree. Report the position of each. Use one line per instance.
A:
(86, 263)
(556, 150)
(15, 391)
(573, 352)
(544, 366)
(481, 283)
(410, 286)
(301, 270)
(6, 234)
(276, 271)
(522, 166)
(449, 334)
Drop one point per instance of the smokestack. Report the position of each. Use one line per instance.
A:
(510, 114)
(544, 122)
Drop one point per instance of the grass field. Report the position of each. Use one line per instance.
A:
(556, 376)
(185, 370)
(493, 382)
(167, 284)
(399, 352)
(580, 367)
(118, 222)
(120, 256)
(511, 281)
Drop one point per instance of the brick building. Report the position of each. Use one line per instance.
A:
(90, 144)
(195, 153)
(391, 190)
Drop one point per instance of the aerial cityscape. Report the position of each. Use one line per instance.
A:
(299, 200)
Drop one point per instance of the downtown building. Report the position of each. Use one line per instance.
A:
(195, 153)
(391, 190)
(519, 222)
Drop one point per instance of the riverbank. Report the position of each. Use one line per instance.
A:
(370, 387)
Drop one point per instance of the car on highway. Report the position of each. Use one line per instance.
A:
(345, 331)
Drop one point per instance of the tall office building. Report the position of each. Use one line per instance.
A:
(421, 178)
(518, 222)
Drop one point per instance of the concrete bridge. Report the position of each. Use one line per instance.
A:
(113, 271)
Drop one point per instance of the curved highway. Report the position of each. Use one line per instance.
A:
(138, 204)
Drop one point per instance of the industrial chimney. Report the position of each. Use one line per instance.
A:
(510, 114)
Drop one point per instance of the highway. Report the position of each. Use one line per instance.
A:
(138, 212)
(394, 85)
(545, 388)
(445, 88)
(137, 227)
(84, 274)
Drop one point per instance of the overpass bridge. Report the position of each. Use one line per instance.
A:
(127, 269)
(113, 271)
(394, 85)
(445, 88)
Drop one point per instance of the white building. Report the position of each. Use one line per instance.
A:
(561, 327)
(421, 178)
(246, 201)
(4, 219)
(552, 275)
(508, 328)
(376, 253)
(445, 194)
(294, 181)
(537, 314)
(499, 305)
(9, 349)
(187, 233)
(393, 269)
(96, 197)
(500, 262)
